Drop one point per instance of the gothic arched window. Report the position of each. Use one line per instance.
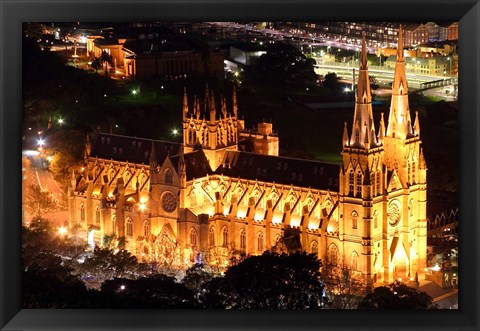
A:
(146, 228)
(314, 248)
(333, 254)
(225, 237)
(168, 177)
(354, 220)
(359, 183)
(260, 242)
(129, 227)
(114, 224)
(82, 212)
(243, 240)
(97, 214)
(354, 261)
(211, 236)
(193, 238)
(375, 219)
(351, 182)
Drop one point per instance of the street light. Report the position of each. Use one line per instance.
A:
(450, 65)
(134, 92)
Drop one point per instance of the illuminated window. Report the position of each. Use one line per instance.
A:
(225, 237)
(211, 236)
(354, 219)
(82, 212)
(260, 242)
(114, 224)
(243, 240)
(146, 228)
(333, 254)
(351, 181)
(97, 214)
(129, 227)
(193, 237)
(359, 183)
(354, 261)
(314, 248)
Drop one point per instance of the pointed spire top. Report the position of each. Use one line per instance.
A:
(185, 103)
(381, 130)
(235, 104)
(153, 157)
(345, 135)
(400, 44)
(363, 58)
(416, 125)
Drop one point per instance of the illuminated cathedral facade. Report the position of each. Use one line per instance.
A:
(208, 200)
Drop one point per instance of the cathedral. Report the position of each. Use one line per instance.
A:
(210, 200)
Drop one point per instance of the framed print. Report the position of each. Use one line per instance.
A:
(244, 165)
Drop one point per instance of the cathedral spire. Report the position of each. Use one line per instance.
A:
(185, 104)
(363, 116)
(205, 101)
(196, 107)
(153, 158)
(213, 111)
(399, 123)
(400, 44)
(381, 130)
(416, 125)
(235, 104)
(224, 108)
(345, 134)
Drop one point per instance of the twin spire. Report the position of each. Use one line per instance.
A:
(399, 123)
(209, 106)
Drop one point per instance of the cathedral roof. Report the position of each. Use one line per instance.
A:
(281, 170)
(131, 149)
(196, 163)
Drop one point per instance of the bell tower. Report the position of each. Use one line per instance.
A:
(406, 186)
(214, 131)
(361, 178)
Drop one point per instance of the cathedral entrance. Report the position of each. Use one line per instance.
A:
(399, 266)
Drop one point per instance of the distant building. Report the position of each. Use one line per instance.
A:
(206, 200)
(435, 65)
(149, 58)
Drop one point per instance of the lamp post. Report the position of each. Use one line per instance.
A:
(450, 65)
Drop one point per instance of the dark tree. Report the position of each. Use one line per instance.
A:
(158, 291)
(397, 296)
(283, 63)
(269, 281)
(331, 81)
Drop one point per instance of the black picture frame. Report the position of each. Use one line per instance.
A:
(13, 13)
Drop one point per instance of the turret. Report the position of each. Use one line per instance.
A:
(381, 130)
(416, 125)
(235, 104)
(185, 104)
(212, 107)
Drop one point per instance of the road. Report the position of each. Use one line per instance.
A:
(35, 172)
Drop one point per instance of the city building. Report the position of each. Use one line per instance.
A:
(208, 201)
(435, 65)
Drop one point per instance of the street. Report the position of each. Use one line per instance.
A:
(35, 172)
